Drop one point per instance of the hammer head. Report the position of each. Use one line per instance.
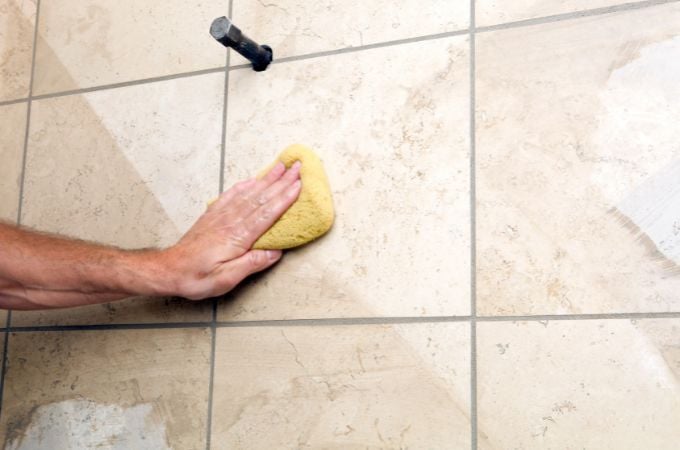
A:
(229, 35)
(223, 30)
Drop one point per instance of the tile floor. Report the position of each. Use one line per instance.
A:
(504, 271)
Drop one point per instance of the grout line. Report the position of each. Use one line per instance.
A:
(28, 117)
(109, 327)
(211, 382)
(13, 102)
(213, 323)
(130, 83)
(223, 145)
(5, 357)
(345, 321)
(359, 48)
(575, 15)
(473, 235)
(597, 316)
(245, 323)
(22, 179)
(342, 321)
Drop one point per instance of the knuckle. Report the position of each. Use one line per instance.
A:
(254, 203)
(266, 214)
(239, 236)
(256, 259)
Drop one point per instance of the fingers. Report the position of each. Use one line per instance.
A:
(255, 197)
(245, 196)
(237, 269)
(253, 210)
(281, 184)
(273, 175)
(228, 196)
(264, 217)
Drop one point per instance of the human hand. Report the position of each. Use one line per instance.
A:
(215, 254)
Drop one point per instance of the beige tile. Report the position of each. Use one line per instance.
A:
(132, 310)
(108, 167)
(360, 386)
(141, 389)
(12, 133)
(17, 28)
(97, 42)
(492, 12)
(300, 27)
(579, 384)
(577, 165)
(395, 146)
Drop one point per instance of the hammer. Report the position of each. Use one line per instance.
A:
(229, 35)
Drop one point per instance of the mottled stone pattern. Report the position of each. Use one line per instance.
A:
(298, 27)
(495, 12)
(106, 167)
(17, 26)
(577, 198)
(579, 384)
(163, 372)
(395, 146)
(503, 271)
(342, 387)
(12, 132)
(96, 42)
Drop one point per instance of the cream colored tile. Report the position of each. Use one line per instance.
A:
(108, 167)
(97, 42)
(12, 133)
(132, 389)
(577, 165)
(579, 384)
(365, 386)
(132, 310)
(491, 12)
(394, 143)
(17, 28)
(301, 27)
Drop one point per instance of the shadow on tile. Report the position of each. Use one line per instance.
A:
(123, 167)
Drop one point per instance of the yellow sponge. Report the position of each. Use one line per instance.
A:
(312, 214)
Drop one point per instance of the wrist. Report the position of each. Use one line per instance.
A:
(147, 272)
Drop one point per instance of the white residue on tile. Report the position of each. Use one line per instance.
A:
(84, 424)
(638, 150)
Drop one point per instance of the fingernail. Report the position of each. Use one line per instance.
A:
(273, 255)
(297, 165)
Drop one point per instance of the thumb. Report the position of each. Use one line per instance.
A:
(249, 263)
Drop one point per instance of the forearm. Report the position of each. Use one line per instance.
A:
(35, 264)
(19, 298)
(38, 270)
